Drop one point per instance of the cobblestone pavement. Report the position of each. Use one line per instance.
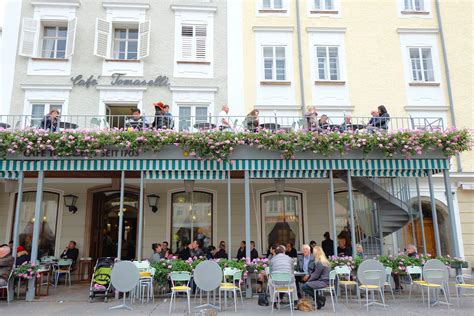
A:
(74, 301)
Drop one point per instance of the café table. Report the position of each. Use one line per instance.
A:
(204, 126)
(4, 125)
(67, 125)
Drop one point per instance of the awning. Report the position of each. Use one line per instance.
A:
(186, 175)
(288, 174)
(392, 173)
(9, 175)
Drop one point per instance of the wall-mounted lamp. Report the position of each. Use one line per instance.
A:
(70, 201)
(153, 200)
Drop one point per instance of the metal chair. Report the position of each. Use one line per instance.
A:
(371, 275)
(180, 277)
(436, 275)
(417, 271)
(144, 289)
(236, 275)
(331, 289)
(462, 285)
(62, 267)
(282, 282)
(7, 283)
(388, 280)
(343, 274)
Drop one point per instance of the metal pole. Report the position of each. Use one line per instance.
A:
(452, 219)
(140, 215)
(229, 216)
(248, 293)
(300, 58)
(30, 294)
(19, 202)
(380, 227)
(434, 214)
(408, 192)
(333, 210)
(351, 212)
(420, 210)
(122, 193)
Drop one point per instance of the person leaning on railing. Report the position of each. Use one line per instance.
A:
(160, 115)
(251, 121)
(50, 121)
(380, 118)
(137, 121)
(311, 119)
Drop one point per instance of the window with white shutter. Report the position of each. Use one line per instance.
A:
(194, 42)
(421, 64)
(144, 39)
(274, 63)
(103, 31)
(327, 62)
(29, 37)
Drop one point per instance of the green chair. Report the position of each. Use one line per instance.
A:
(282, 282)
(180, 284)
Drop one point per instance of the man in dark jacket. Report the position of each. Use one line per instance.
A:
(328, 245)
(241, 251)
(71, 252)
(186, 252)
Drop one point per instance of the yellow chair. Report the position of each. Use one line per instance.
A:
(331, 289)
(415, 277)
(343, 274)
(372, 277)
(180, 277)
(282, 282)
(225, 286)
(462, 285)
(436, 275)
(62, 267)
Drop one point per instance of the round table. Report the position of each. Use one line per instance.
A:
(124, 278)
(208, 277)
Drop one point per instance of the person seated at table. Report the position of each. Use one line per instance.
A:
(283, 263)
(160, 114)
(411, 251)
(156, 255)
(71, 252)
(6, 264)
(304, 263)
(311, 118)
(323, 123)
(346, 125)
(165, 251)
(137, 121)
(168, 120)
(312, 244)
(374, 118)
(196, 249)
(185, 254)
(319, 279)
(251, 121)
(271, 251)
(209, 252)
(383, 117)
(360, 251)
(221, 253)
(290, 251)
(50, 121)
(223, 120)
(253, 251)
(343, 248)
(241, 250)
(21, 256)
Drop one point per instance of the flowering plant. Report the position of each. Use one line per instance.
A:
(26, 271)
(257, 265)
(452, 261)
(336, 261)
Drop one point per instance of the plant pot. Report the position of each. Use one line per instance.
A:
(251, 269)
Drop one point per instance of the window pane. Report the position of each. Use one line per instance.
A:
(408, 5)
(49, 46)
(266, 3)
(321, 57)
(268, 52)
(280, 69)
(187, 30)
(62, 32)
(120, 33)
(419, 5)
(333, 63)
(329, 5)
(201, 114)
(61, 49)
(184, 118)
(280, 52)
(427, 64)
(277, 4)
(133, 34)
(191, 219)
(415, 64)
(317, 4)
(49, 31)
(268, 67)
(132, 49)
(48, 218)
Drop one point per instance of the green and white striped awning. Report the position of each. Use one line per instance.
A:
(211, 165)
(392, 173)
(288, 174)
(186, 175)
(9, 175)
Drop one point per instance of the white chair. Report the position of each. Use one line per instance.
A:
(6, 285)
(331, 289)
(225, 286)
(371, 275)
(436, 275)
(180, 277)
(388, 280)
(462, 285)
(343, 274)
(282, 282)
(144, 289)
(415, 277)
(62, 267)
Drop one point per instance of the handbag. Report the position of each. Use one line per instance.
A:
(263, 299)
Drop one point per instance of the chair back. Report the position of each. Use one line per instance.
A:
(371, 272)
(343, 271)
(64, 262)
(281, 279)
(267, 270)
(388, 274)
(436, 272)
(142, 266)
(228, 273)
(180, 276)
(332, 277)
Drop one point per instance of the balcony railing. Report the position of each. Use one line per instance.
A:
(201, 123)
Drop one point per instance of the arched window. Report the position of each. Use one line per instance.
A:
(191, 218)
(48, 218)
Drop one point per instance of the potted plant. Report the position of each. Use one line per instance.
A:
(26, 271)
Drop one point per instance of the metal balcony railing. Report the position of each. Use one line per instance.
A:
(201, 123)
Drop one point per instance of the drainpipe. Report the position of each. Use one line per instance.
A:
(300, 57)
(448, 77)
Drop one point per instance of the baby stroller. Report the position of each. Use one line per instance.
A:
(100, 283)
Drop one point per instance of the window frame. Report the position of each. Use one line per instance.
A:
(271, 5)
(323, 5)
(194, 44)
(193, 106)
(412, 7)
(422, 67)
(274, 77)
(327, 63)
(48, 105)
(55, 38)
(127, 39)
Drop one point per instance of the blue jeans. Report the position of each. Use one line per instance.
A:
(308, 290)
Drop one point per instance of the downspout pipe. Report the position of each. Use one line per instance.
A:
(300, 57)
(448, 76)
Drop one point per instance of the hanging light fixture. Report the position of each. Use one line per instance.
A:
(153, 200)
(280, 185)
(70, 201)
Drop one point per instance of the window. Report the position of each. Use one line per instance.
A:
(48, 218)
(282, 218)
(122, 41)
(324, 5)
(191, 218)
(47, 39)
(274, 63)
(414, 5)
(190, 115)
(328, 62)
(272, 4)
(54, 42)
(125, 43)
(193, 42)
(421, 64)
(39, 110)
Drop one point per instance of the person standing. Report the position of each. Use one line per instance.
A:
(168, 120)
(311, 118)
(319, 279)
(252, 121)
(160, 115)
(223, 119)
(137, 121)
(383, 117)
(328, 245)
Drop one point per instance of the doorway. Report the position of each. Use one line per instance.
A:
(117, 113)
(105, 223)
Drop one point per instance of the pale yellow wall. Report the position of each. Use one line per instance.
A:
(466, 212)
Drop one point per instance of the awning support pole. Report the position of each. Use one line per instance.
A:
(140, 216)
(420, 211)
(351, 212)
(120, 228)
(229, 215)
(434, 214)
(30, 294)
(16, 225)
(248, 293)
(333, 211)
(451, 215)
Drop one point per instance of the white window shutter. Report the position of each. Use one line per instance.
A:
(201, 36)
(71, 37)
(103, 31)
(187, 42)
(143, 39)
(29, 37)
